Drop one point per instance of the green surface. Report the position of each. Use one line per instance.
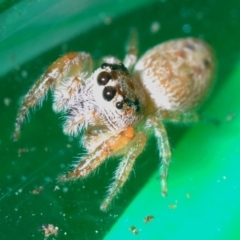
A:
(205, 156)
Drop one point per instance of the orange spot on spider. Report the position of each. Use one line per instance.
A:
(129, 132)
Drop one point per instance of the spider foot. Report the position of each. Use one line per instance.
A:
(105, 205)
(73, 175)
(164, 185)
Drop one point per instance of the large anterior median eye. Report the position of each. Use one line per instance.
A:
(103, 78)
(109, 93)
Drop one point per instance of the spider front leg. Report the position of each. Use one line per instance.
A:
(97, 156)
(64, 74)
(164, 151)
(130, 153)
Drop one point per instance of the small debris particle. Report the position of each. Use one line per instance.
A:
(31, 235)
(107, 20)
(187, 28)
(155, 26)
(224, 177)
(56, 188)
(22, 150)
(148, 218)
(133, 230)
(173, 206)
(48, 230)
(24, 73)
(65, 189)
(7, 101)
(188, 195)
(37, 190)
(230, 116)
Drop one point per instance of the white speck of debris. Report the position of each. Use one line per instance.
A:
(24, 73)
(23, 178)
(107, 20)
(47, 179)
(65, 189)
(155, 26)
(187, 28)
(18, 191)
(62, 165)
(7, 101)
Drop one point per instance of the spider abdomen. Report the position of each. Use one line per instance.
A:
(176, 75)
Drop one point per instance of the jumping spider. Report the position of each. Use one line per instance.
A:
(119, 104)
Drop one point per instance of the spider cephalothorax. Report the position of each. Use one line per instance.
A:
(107, 99)
(117, 107)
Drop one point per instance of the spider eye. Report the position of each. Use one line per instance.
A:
(109, 93)
(103, 78)
(119, 105)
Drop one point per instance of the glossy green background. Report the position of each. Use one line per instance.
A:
(205, 156)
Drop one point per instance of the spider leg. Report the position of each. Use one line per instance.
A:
(70, 65)
(109, 59)
(74, 75)
(131, 55)
(125, 167)
(179, 117)
(96, 157)
(164, 150)
(75, 123)
(132, 50)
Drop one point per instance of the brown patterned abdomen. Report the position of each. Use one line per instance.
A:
(177, 75)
